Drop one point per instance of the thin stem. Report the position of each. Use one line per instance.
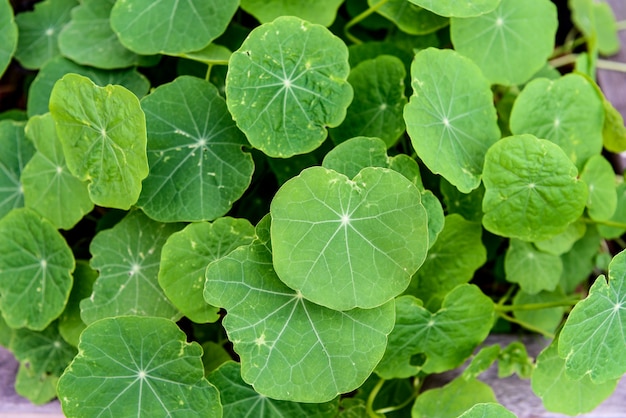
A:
(612, 224)
(416, 388)
(208, 72)
(567, 47)
(611, 65)
(536, 306)
(620, 25)
(526, 325)
(369, 406)
(563, 60)
(506, 296)
(360, 17)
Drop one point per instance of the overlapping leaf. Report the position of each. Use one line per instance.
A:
(532, 269)
(322, 12)
(599, 176)
(15, 151)
(411, 18)
(70, 323)
(453, 399)
(456, 8)
(487, 410)
(8, 34)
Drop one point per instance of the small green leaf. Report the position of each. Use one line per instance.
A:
(532, 191)
(334, 238)
(597, 23)
(532, 269)
(158, 26)
(283, 91)
(240, 399)
(514, 359)
(70, 323)
(619, 215)
(451, 113)
(8, 34)
(511, 43)
(481, 362)
(127, 258)
(137, 366)
(411, 18)
(38, 388)
(187, 253)
(453, 399)
(599, 176)
(579, 262)
(545, 319)
(353, 155)
(487, 410)
(458, 8)
(15, 151)
(561, 243)
(103, 133)
(35, 270)
(322, 12)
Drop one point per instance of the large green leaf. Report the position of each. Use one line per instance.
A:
(15, 151)
(322, 12)
(451, 113)
(127, 257)
(197, 166)
(291, 348)
(458, 8)
(410, 18)
(593, 339)
(348, 243)
(35, 265)
(137, 367)
(511, 43)
(8, 34)
(49, 187)
(283, 91)
(532, 190)
(531, 268)
(103, 133)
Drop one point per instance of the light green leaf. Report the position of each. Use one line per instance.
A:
(103, 133)
(39, 31)
(56, 68)
(487, 410)
(210, 55)
(197, 166)
(376, 109)
(158, 26)
(410, 18)
(353, 155)
(561, 243)
(334, 238)
(511, 43)
(567, 112)
(481, 361)
(187, 253)
(458, 8)
(283, 91)
(8, 34)
(15, 151)
(614, 129)
(593, 339)
(446, 337)
(49, 187)
(408, 167)
(532, 191)
(532, 269)
(322, 12)
(35, 270)
(451, 113)
(38, 388)
(453, 399)
(578, 263)
(139, 367)
(559, 392)
(290, 348)
(241, 400)
(89, 40)
(619, 216)
(514, 359)
(545, 319)
(127, 257)
(70, 323)
(597, 23)
(436, 216)
(599, 176)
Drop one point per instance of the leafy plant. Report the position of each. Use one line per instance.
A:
(306, 208)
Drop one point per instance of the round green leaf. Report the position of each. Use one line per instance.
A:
(8, 34)
(487, 410)
(348, 243)
(290, 348)
(531, 189)
(39, 31)
(566, 111)
(139, 367)
(127, 257)
(451, 113)
(197, 166)
(510, 43)
(599, 176)
(35, 270)
(458, 8)
(103, 133)
(39, 389)
(410, 18)
(378, 101)
(322, 12)
(283, 91)
(187, 253)
(353, 155)
(453, 399)
(15, 151)
(49, 187)
(532, 269)
(561, 243)
(160, 26)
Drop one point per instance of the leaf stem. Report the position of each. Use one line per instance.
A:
(369, 406)
(526, 325)
(360, 17)
(611, 65)
(563, 60)
(609, 223)
(620, 25)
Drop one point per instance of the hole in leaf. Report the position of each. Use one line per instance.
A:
(417, 360)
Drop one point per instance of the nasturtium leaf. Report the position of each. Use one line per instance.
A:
(214, 355)
(451, 113)
(322, 12)
(481, 361)
(70, 323)
(348, 243)
(197, 166)
(468, 205)
(531, 268)
(619, 216)
(512, 42)
(597, 23)
(8, 34)
(567, 112)
(127, 257)
(38, 388)
(39, 31)
(446, 337)
(240, 399)
(408, 167)
(15, 151)
(599, 176)
(436, 216)
(89, 40)
(409, 17)
(531, 189)
(487, 410)
(379, 99)
(158, 26)
(579, 261)
(561, 243)
(53, 70)
(547, 319)
(291, 348)
(17, 115)
(614, 129)
(211, 54)
(6, 333)
(593, 339)
(35, 270)
(187, 253)
(353, 155)
(453, 399)
(452, 260)
(103, 133)
(458, 8)
(559, 392)
(140, 367)
(514, 359)
(283, 91)
(49, 187)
